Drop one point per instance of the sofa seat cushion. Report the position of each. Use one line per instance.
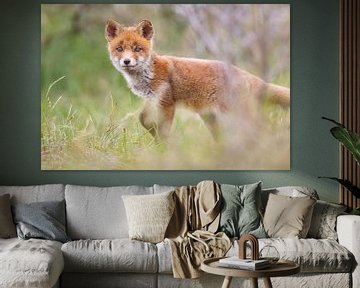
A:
(313, 255)
(30, 263)
(115, 255)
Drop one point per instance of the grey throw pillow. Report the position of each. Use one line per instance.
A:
(240, 213)
(43, 220)
(323, 222)
(7, 227)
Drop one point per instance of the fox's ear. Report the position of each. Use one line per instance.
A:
(112, 29)
(145, 29)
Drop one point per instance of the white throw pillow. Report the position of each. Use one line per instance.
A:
(149, 215)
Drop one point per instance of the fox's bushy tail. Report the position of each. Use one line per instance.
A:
(278, 94)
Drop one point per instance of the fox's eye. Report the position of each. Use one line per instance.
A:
(119, 49)
(138, 49)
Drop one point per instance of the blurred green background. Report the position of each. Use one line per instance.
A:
(89, 117)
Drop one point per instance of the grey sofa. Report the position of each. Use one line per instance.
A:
(101, 255)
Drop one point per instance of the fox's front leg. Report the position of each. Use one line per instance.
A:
(148, 120)
(157, 119)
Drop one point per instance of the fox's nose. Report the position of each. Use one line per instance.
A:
(127, 61)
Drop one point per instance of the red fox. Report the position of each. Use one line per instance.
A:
(208, 87)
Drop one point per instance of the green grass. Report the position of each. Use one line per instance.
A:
(77, 136)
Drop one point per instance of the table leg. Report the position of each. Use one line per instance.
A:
(267, 283)
(227, 282)
(254, 282)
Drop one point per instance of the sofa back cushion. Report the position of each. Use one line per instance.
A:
(37, 193)
(163, 188)
(98, 212)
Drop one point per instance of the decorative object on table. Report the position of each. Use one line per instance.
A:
(269, 253)
(351, 142)
(254, 246)
(241, 261)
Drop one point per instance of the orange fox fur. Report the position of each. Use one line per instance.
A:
(209, 88)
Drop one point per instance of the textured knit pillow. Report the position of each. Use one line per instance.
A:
(240, 213)
(43, 220)
(149, 215)
(288, 217)
(323, 222)
(7, 226)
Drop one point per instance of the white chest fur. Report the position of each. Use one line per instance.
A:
(139, 83)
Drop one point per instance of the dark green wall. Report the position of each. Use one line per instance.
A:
(314, 84)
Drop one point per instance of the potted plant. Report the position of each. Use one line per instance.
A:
(351, 141)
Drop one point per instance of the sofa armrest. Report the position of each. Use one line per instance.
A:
(348, 230)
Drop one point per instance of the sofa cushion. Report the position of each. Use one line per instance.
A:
(291, 191)
(43, 220)
(117, 255)
(30, 263)
(149, 215)
(240, 210)
(287, 216)
(163, 188)
(323, 222)
(313, 255)
(37, 193)
(98, 213)
(164, 257)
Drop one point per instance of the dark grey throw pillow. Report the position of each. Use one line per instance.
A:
(43, 220)
(7, 227)
(240, 213)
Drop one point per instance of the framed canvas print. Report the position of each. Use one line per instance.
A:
(165, 87)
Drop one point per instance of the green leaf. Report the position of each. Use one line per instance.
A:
(355, 211)
(333, 121)
(349, 139)
(347, 184)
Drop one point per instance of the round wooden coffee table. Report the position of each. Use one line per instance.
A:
(281, 268)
